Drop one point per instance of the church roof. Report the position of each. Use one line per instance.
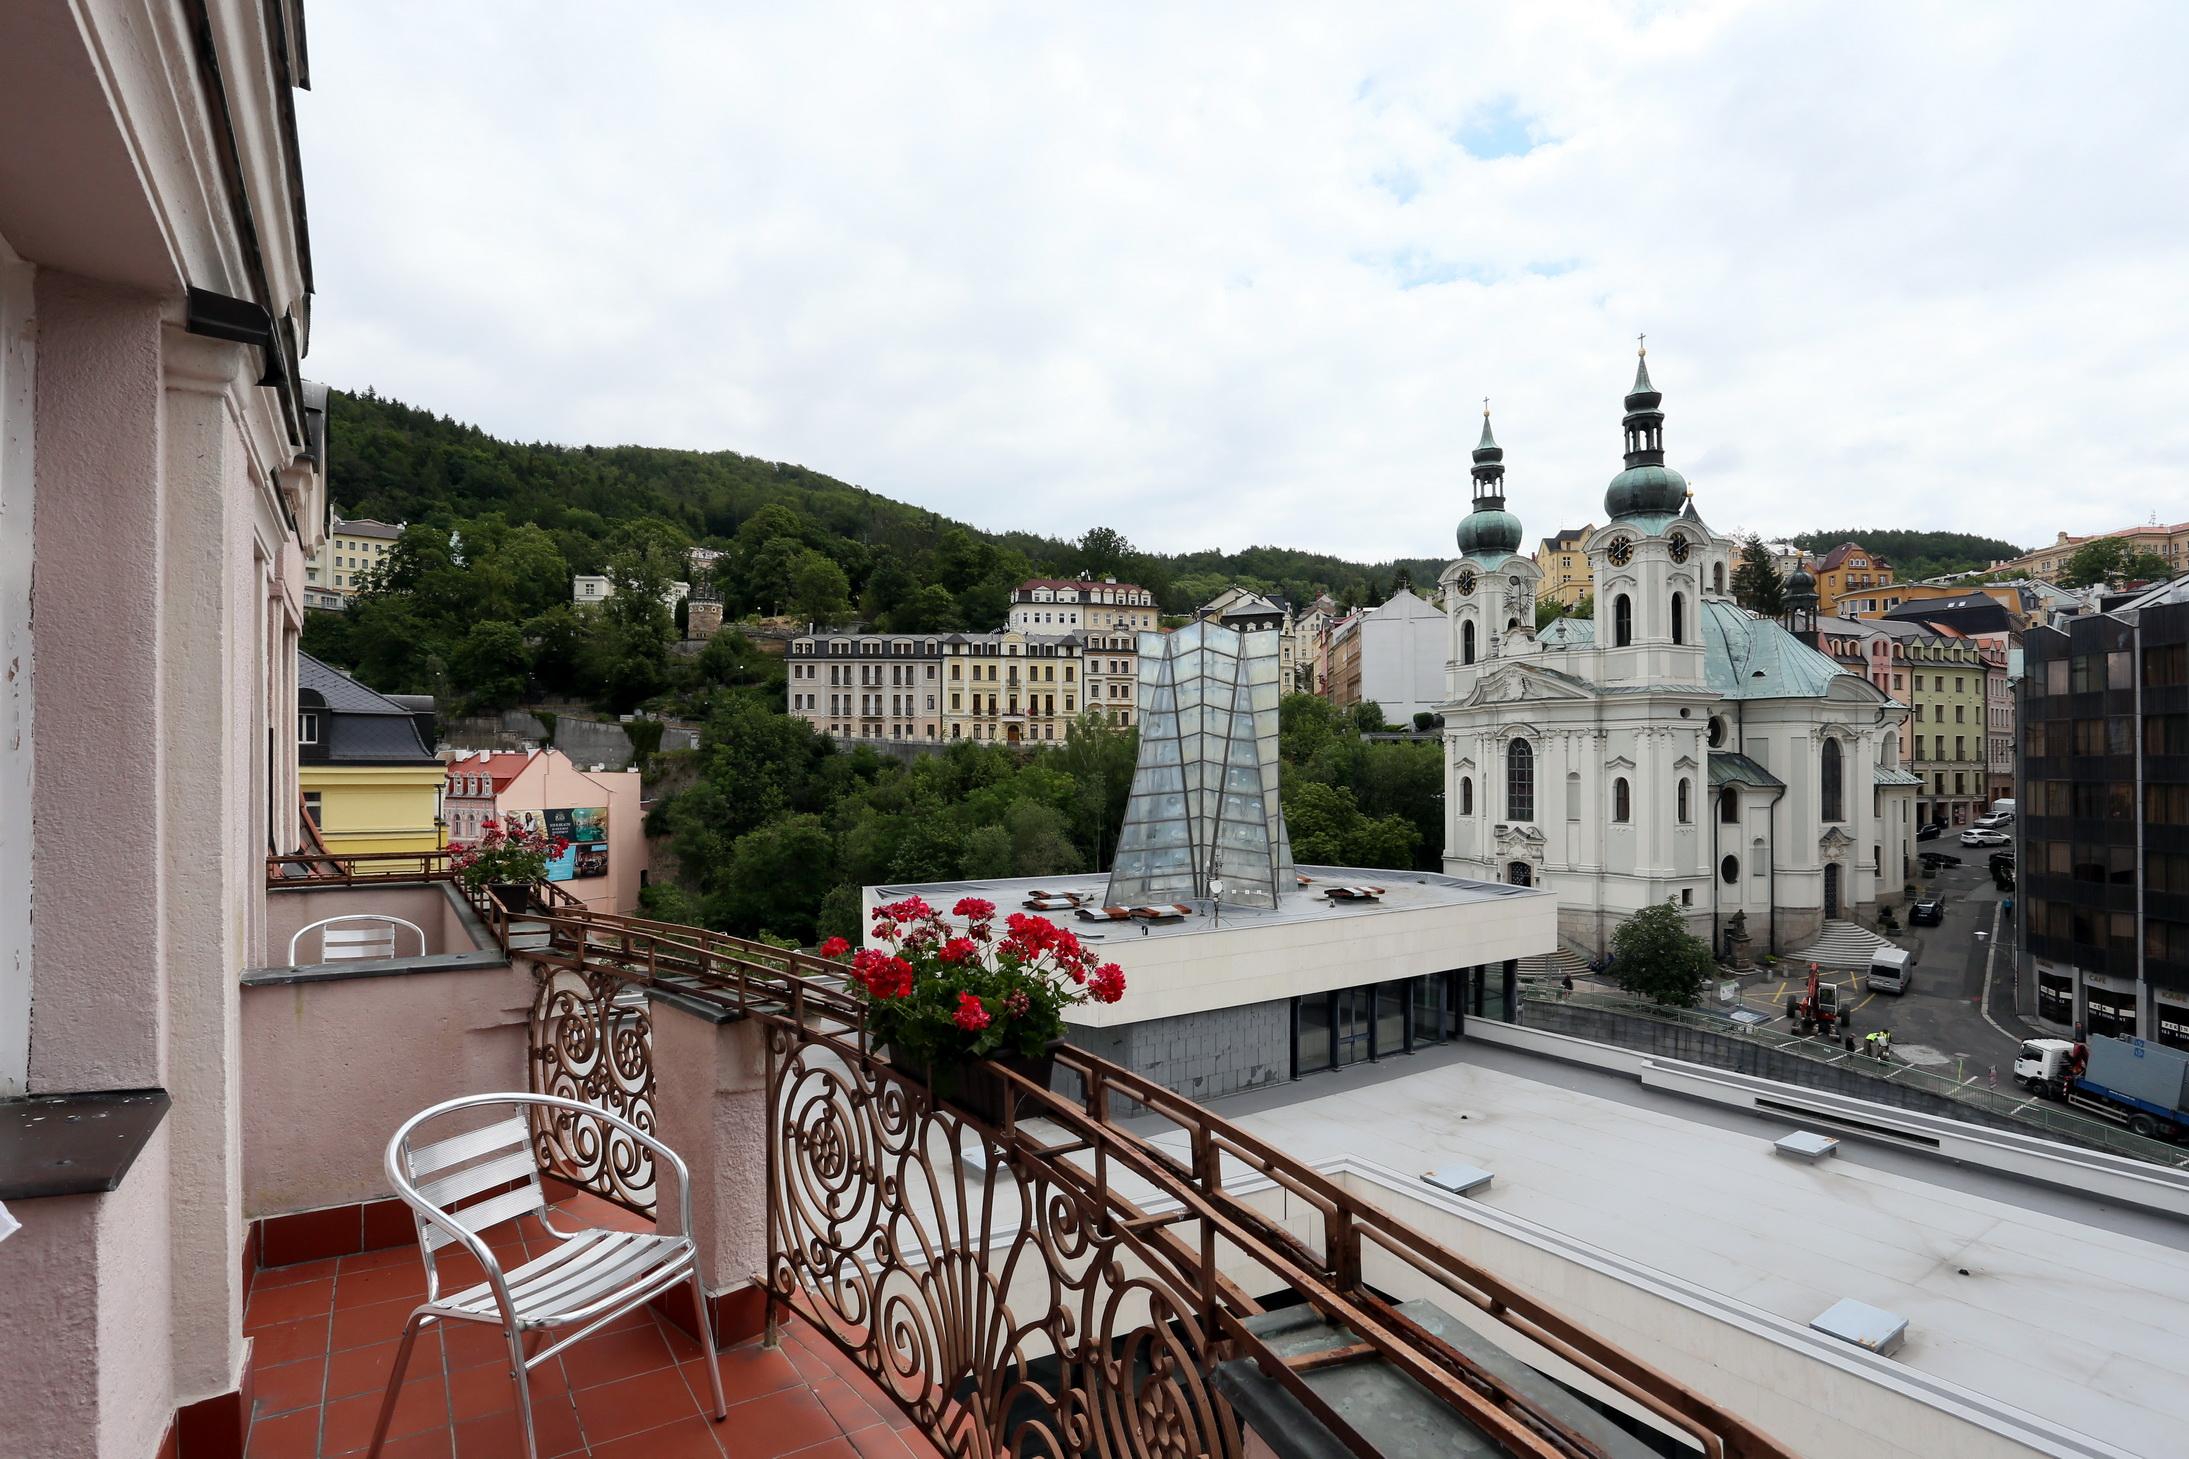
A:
(1884, 776)
(1729, 767)
(1568, 630)
(1746, 657)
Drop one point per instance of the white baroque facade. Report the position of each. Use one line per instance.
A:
(1671, 748)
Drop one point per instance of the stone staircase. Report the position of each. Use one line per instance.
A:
(1564, 960)
(1843, 945)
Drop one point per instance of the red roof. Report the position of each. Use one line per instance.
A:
(1838, 555)
(503, 765)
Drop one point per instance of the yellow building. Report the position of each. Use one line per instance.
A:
(365, 764)
(2169, 541)
(350, 551)
(1565, 567)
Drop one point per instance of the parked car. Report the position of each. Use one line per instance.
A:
(1932, 860)
(1978, 836)
(1931, 910)
(1929, 833)
(1997, 822)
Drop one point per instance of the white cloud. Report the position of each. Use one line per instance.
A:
(1230, 277)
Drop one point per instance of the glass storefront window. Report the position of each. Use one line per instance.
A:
(1391, 1018)
(1310, 1035)
(2055, 997)
(1353, 1033)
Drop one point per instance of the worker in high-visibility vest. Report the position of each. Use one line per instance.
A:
(1873, 1044)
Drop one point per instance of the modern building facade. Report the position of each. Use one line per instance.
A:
(1062, 605)
(366, 766)
(352, 551)
(2103, 824)
(1564, 566)
(1671, 748)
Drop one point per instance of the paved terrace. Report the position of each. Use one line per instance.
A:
(326, 1334)
(2069, 1308)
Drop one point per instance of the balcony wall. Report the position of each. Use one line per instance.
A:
(334, 1061)
(450, 926)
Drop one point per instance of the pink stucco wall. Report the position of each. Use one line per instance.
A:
(331, 1068)
(553, 781)
(432, 906)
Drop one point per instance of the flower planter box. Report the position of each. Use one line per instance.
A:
(976, 1088)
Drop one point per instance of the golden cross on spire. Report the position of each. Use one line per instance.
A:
(1641, 344)
(1485, 407)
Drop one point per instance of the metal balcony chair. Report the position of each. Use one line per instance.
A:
(366, 935)
(460, 1185)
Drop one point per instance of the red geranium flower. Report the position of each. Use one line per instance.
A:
(835, 947)
(971, 1015)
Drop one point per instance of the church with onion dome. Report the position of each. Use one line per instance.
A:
(1672, 748)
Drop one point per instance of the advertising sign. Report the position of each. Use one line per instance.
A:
(586, 829)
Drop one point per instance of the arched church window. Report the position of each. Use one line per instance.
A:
(1467, 642)
(1622, 801)
(1573, 796)
(1466, 795)
(1520, 781)
(1679, 618)
(1717, 579)
(1687, 809)
(1729, 806)
(1622, 621)
(1835, 799)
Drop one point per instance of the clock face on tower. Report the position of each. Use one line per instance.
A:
(1680, 547)
(1620, 553)
(1465, 582)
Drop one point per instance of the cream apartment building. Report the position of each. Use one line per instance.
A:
(868, 686)
(351, 551)
(2170, 542)
(1061, 605)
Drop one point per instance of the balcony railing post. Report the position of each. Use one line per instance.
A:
(711, 1107)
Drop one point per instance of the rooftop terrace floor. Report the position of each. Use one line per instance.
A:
(2064, 1305)
(326, 1333)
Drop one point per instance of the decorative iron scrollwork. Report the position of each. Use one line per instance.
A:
(1004, 1308)
(593, 1040)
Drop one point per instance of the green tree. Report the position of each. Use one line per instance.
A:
(1368, 718)
(820, 593)
(1757, 585)
(2112, 560)
(1656, 956)
(934, 609)
(776, 879)
(555, 643)
(1103, 551)
(489, 666)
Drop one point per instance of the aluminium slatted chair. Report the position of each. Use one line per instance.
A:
(459, 1185)
(356, 935)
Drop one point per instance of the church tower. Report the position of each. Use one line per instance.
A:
(1489, 593)
(1649, 562)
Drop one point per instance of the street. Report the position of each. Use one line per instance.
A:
(1939, 1023)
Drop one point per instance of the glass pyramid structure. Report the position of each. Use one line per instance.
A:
(1204, 793)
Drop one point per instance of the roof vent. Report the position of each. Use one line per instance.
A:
(1463, 1180)
(1806, 1145)
(1865, 1326)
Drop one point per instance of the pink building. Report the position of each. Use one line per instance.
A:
(161, 491)
(599, 811)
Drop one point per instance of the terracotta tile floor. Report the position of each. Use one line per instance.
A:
(326, 1333)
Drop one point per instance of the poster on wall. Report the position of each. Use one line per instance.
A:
(586, 829)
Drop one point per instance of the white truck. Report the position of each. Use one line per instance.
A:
(2132, 1082)
(1892, 969)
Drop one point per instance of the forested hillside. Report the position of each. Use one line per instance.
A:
(401, 464)
(1916, 555)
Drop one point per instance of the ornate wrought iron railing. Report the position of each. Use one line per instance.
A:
(1050, 1283)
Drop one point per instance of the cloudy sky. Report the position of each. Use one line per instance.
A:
(1222, 275)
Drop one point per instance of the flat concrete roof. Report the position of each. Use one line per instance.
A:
(2054, 1303)
(1402, 891)
(1212, 959)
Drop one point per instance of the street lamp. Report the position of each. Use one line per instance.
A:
(1216, 901)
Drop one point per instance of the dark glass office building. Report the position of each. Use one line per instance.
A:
(2104, 819)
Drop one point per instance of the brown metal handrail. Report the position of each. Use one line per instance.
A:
(348, 868)
(804, 1002)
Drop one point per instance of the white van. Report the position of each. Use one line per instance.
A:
(1892, 969)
